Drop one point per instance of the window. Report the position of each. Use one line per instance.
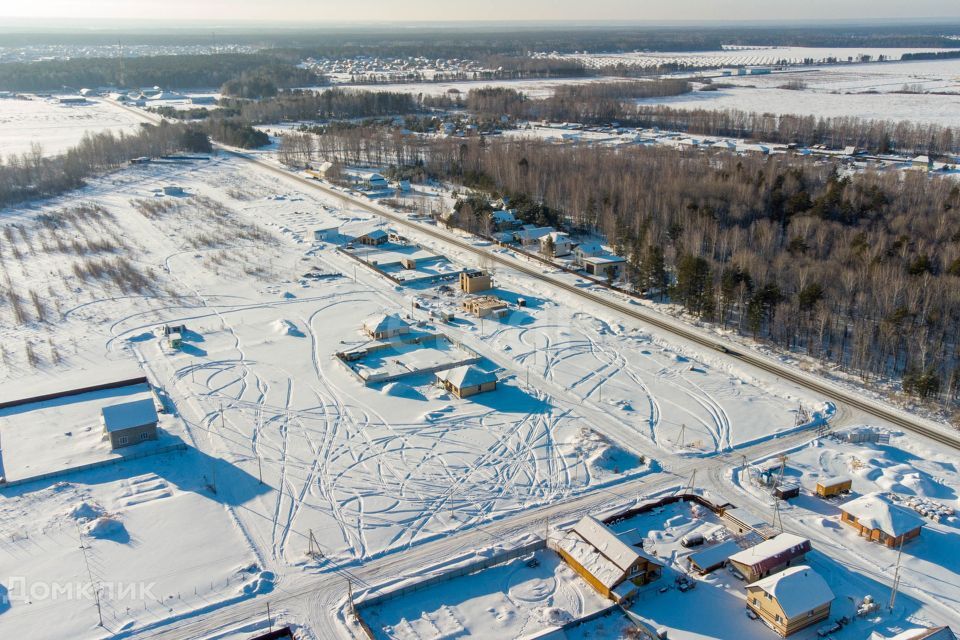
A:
(778, 618)
(756, 601)
(122, 440)
(144, 435)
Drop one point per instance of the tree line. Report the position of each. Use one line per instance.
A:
(859, 271)
(32, 175)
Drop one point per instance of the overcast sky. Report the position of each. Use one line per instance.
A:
(320, 11)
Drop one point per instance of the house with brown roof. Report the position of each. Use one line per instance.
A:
(610, 565)
(770, 556)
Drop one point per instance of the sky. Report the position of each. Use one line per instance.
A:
(331, 11)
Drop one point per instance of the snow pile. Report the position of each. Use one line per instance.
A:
(260, 585)
(107, 528)
(554, 616)
(600, 454)
(286, 328)
(85, 511)
(401, 390)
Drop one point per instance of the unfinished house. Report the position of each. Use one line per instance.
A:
(483, 306)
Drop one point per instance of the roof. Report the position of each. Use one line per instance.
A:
(533, 234)
(503, 215)
(598, 550)
(714, 555)
(466, 376)
(376, 233)
(797, 590)
(590, 248)
(933, 633)
(556, 236)
(384, 322)
(606, 258)
(772, 552)
(129, 415)
(832, 481)
(876, 511)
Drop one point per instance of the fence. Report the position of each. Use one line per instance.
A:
(473, 567)
(74, 392)
(180, 446)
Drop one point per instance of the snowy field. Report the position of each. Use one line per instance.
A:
(915, 470)
(739, 56)
(510, 600)
(366, 470)
(530, 87)
(56, 127)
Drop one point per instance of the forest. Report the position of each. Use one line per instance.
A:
(860, 271)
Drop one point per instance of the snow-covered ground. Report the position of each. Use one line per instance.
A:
(56, 127)
(366, 470)
(519, 598)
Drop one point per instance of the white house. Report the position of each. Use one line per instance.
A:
(561, 244)
(605, 265)
(586, 250)
(531, 235)
(374, 181)
(505, 219)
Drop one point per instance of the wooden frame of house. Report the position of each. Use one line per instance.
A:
(607, 563)
(770, 556)
(483, 306)
(877, 518)
(791, 600)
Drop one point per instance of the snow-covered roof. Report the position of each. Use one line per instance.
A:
(715, 555)
(876, 511)
(557, 237)
(606, 258)
(376, 233)
(384, 322)
(598, 550)
(466, 376)
(533, 234)
(775, 550)
(503, 215)
(832, 481)
(798, 590)
(129, 415)
(589, 248)
(933, 633)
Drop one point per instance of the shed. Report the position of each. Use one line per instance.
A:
(129, 423)
(791, 600)
(382, 326)
(877, 518)
(326, 234)
(175, 339)
(711, 558)
(408, 262)
(374, 238)
(610, 565)
(466, 381)
(770, 556)
(834, 485)
(787, 490)
(173, 190)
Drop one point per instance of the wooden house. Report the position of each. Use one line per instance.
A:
(614, 568)
(383, 326)
(791, 600)
(770, 556)
(877, 518)
(466, 381)
(475, 281)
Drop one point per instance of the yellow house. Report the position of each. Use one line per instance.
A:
(791, 600)
(611, 566)
(827, 487)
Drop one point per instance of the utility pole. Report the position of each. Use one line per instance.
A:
(269, 617)
(896, 578)
(353, 610)
(96, 589)
(221, 417)
(680, 438)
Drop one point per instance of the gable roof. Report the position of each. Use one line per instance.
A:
(129, 415)
(933, 633)
(598, 550)
(384, 322)
(503, 215)
(376, 233)
(466, 376)
(877, 511)
(773, 552)
(797, 590)
(589, 248)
